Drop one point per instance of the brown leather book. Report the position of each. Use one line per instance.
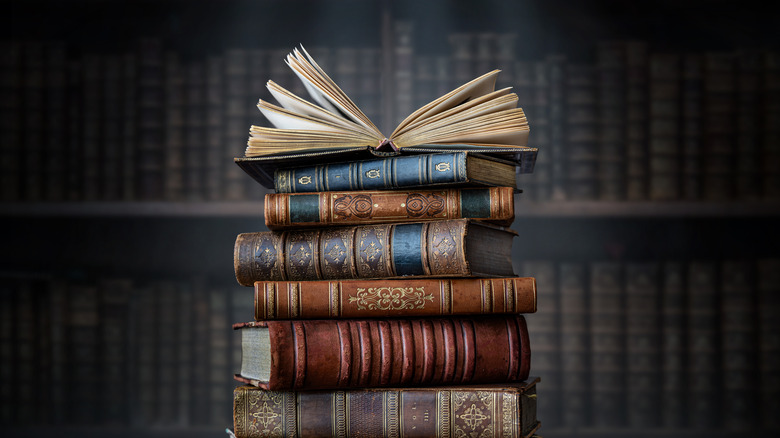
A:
(360, 353)
(506, 411)
(393, 298)
(454, 248)
(287, 210)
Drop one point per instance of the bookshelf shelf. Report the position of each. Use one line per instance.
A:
(254, 209)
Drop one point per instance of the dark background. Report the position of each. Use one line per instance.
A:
(80, 242)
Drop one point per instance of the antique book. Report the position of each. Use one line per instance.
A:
(397, 298)
(664, 127)
(443, 169)
(360, 353)
(574, 344)
(494, 205)
(503, 410)
(454, 248)
(474, 113)
(582, 132)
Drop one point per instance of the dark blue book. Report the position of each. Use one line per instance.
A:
(446, 169)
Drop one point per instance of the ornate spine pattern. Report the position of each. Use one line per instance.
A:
(502, 412)
(383, 173)
(285, 210)
(370, 251)
(408, 297)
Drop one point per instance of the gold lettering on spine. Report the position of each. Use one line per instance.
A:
(295, 292)
(446, 297)
(340, 414)
(443, 425)
(508, 409)
(270, 303)
(391, 413)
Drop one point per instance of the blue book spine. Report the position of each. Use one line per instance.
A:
(378, 174)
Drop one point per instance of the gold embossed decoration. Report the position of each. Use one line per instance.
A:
(390, 298)
(444, 247)
(353, 205)
(474, 414)
(373, 173)
(443, 166)
(304, 180)
(418, 205)
(263, 413)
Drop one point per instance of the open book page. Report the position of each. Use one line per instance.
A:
(471, 90)
(489, 104)
(507, 127)
(324, 91)
(295, 104)
(264, 141)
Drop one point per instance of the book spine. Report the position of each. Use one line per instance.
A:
(558, 138)
(151, 116)
(636, 121)
(575, 354)
(327, 354)
(369, 82)
(213, 170)
(368, 299)
(769, 342)
(129, 158)
(462, 55)
(424, 79)
(612, 124)
(146, 356)
(111, 107)
(166, 345)
(607, 344)
(370, 251)
(74, 160)
(27, 355)
(83, 345)
(505, 413)
(58, 303)
(56, 121)
(544, 326)
(704, 371)
(539, 112)
(581, 133)
(218, 357)
(10, 120)
(91, 119)
(174, 131)
(505, 60)
(643, 345)
(379, 174)
(257, 76)
(195, 132)
(282, 210)
(673, 346)
(235, 127)
(719, 127)
(691, 96)
(33, 105)
(185, 357)
(770, 141)
(663, 127)
(739, 346)
(748, 131)
(199, 402)
(114, 296)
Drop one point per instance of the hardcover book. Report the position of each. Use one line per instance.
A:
(379, 298)
(505, 410)
(360, 353)
(454, 248)
(442, 169)
(494, 205)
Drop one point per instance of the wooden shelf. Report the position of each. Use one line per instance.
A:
(524, 209)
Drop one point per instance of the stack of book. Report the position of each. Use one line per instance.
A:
(385, 298)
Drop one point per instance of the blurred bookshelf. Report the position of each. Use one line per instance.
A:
(659, 161)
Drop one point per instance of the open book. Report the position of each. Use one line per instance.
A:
(474, 114)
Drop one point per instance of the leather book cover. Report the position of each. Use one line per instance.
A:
(393, 298)
(387, 173)
(361, 353)
(454, 248)
(506, 410)
(263, 168)
(283, 210)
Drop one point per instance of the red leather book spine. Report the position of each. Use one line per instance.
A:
(393, 298)
(328, 354)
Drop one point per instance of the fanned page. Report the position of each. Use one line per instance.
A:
(472, 114)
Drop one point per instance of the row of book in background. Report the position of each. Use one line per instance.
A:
(632, 124)
(619, 345)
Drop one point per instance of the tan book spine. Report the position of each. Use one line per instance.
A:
(492, 410)
(284, 210)
(393, 298)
